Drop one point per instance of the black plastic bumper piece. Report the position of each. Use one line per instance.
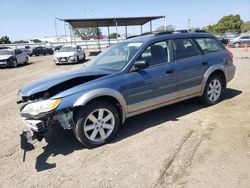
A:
(27, 141)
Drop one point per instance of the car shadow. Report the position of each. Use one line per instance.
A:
(65, 142)
(19, 66)
(80, 62)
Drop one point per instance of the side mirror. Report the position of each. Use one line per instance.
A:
(140, 65)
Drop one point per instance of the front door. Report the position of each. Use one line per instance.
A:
(153, 85)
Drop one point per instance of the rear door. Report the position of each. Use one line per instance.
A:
(191, 66)
(245, 40)
(19, 57)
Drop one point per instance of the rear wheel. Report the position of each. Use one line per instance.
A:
(213, 91)
(96, 124)
(26, 60)
(237, 45)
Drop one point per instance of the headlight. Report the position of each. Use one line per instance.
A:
(72, 58)
(41, 106)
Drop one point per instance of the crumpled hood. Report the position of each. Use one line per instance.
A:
(64, 54)
(3, 57)
(62, 81)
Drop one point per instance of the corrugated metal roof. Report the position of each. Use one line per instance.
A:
(105, 22)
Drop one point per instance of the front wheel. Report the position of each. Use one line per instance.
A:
(237, 45)
(14, 63)
(96, 124)
(213, 91)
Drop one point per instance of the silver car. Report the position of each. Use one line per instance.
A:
(12, 58)
(240, 41)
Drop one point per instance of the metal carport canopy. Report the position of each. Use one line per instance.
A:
(106, 22)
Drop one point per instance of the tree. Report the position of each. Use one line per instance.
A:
(245, 27)
(20, 42)
(86, 33)
(231, 23)
(36, 40)
(113, 35)
(168, 28)
(5, 40)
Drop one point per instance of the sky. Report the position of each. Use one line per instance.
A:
(27, 19)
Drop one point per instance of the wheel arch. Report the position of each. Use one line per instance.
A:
(215, 70)
(106, 94)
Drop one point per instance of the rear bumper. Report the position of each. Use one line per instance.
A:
(4, 64)
(230, 72)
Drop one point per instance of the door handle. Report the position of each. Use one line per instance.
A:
(204, 63)
(170, 71)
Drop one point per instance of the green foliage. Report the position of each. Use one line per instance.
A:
(5, 40)
(245, 26)
(36, 40)
(113, 35)
(87, 32)
(230, 23)
(20, 42)
(168, 28)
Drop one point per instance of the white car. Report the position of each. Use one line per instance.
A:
(69, 54)
(12, 57)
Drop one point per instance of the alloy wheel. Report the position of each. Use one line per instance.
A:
(99, 125)
(214, 90)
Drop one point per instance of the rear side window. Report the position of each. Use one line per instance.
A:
(208, 45)
(184, 48)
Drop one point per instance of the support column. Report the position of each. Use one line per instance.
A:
(126, 31)
(141, 29)
(151, 26)
(116, 27)
(98, 40)
(65, 32)
(108, 36)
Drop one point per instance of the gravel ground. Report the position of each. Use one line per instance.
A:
(182, 145)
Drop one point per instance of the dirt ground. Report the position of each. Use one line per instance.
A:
(182, 145)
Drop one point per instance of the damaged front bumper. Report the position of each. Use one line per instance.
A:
(42, 126)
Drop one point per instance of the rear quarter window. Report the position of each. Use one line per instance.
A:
(209, 45)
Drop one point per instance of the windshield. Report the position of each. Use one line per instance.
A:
(116, 56)
(68, 49)
(6, 52)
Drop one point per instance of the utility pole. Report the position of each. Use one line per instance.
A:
(65, 32)
(56, 31)
(189, 20)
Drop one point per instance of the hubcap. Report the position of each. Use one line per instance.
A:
(99, 125)
(214, 90)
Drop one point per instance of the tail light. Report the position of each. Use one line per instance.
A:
(230, 54)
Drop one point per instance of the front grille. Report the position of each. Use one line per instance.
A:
(62, 59)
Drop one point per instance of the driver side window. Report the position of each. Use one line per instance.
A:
(157, 53)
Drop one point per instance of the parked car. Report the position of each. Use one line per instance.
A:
(223, 40)
(4, 47)
(240, 41)
(57, 48)
(69, 54)
(12, 58)
(41, 50)
(129, 78)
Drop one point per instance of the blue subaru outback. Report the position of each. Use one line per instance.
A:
(137, 75)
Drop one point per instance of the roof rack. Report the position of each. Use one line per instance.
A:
(155, 33)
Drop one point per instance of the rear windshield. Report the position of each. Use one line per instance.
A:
(209, 45)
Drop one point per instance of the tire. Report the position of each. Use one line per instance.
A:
(237, 45)
(13, 63)
(26, 61)
(93, 133)
(84, 57)
(77, 59)
(50, 53)
(213, 91)
(36, 54)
